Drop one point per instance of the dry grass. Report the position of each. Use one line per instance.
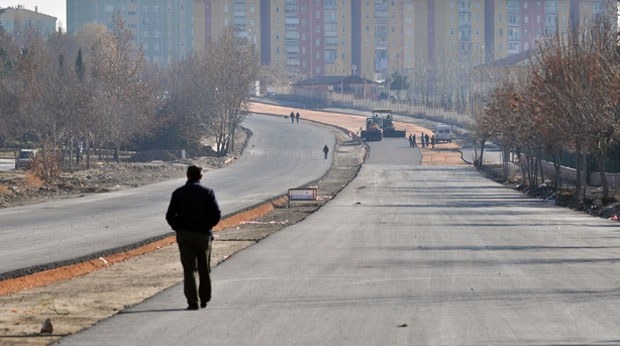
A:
(32, 180)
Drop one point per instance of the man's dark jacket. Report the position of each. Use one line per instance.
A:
(193, 207)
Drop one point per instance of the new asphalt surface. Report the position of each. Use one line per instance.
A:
(406, 254)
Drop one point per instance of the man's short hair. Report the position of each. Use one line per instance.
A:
(194, 172)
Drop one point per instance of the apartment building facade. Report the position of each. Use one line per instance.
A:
(373, 38)
(19, 20)
(368, 38)
(164, 29)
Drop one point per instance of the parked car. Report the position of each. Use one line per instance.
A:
(25, 158)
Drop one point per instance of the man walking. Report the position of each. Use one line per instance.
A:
(192, 214)
(325, 151)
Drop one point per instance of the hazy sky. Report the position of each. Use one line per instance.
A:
(54, 8)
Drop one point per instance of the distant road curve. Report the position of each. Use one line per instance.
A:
(279, 155)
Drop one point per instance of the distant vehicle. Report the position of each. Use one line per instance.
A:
(373, 129)
(389, 131)
(380, 125)
(25, 158)
(443, 133)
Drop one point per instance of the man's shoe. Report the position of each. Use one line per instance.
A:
(203, 305)
(192, 307)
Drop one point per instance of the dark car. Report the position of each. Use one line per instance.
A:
(25, 158)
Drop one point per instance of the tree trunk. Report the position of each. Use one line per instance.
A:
(557, 180)
(540, 166)
(481, 158)
(578, 170)
(601, 160)
(506, 162)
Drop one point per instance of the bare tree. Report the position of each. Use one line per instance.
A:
(125, 101)
(9, 120)
(577, 82)
(212, 90)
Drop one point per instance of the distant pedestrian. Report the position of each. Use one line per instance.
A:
(426, 139)
(192, 214)
(422, 140)
(413, 140)
(410, 141)
(297, 117)
(433, 141)
(325, 151)
(292, 117)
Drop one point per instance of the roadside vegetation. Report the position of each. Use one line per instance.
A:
(89, 96)
(562, 110)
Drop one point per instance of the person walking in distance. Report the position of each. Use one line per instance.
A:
(292, 117)
(192, 214)
(325, 151)
(297, 116)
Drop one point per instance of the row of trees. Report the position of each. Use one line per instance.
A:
(567, 100)
(94, 91)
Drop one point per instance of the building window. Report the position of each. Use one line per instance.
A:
(513, 19)
(513, 47)
(513, 34)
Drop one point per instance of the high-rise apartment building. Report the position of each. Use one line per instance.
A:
(18, 20)
(164, 29)
(369, 38)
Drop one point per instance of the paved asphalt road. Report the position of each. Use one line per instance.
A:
(63, 230)
(404, 255)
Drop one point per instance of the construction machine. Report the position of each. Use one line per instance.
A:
(381, 125)
(389, 131)
(373, 129)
